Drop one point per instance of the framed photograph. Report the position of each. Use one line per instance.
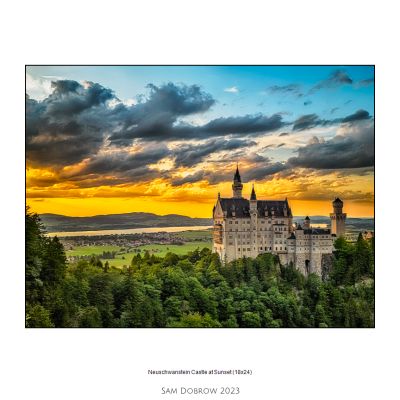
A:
(200, 196)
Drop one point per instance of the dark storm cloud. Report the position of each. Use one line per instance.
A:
(78, 123)
(196, 177)
(120, 166)
(248, 124)
(70, 98)
(293, 89)
(365, 82)
(262, 171)
(76, 120)
(357, 116)
(72, 122)
(352, 149)
(122, 161)
(309, 121)
(336, 79)
(67, 126)
(189, 155)
(306, 122)
(157, 117)
(163, 127)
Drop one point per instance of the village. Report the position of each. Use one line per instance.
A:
(121, 246)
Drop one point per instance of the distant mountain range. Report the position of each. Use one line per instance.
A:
(62, 223)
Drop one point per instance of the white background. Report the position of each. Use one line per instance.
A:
(112, 364)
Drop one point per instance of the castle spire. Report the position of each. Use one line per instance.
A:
(237, 174)
(237, 184)
(253, 194)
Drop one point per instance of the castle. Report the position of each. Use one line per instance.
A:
(246, 228)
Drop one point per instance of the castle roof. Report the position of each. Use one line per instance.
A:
(307, 218)
(241, 207)
(337, 201)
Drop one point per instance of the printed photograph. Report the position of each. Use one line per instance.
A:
(199, 196)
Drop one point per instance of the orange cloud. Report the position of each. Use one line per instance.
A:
(309, 192)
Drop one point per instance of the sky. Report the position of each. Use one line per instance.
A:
(166, 139)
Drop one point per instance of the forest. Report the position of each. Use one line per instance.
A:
(194, 290)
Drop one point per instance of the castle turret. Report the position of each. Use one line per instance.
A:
(237, 185)
(338, 218)
(253, 222)
(306, 223)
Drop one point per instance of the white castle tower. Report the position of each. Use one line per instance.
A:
(338, 218)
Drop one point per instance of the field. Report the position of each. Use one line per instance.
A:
(89, 250)
(198, 240)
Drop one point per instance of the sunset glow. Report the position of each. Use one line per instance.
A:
(172, 144)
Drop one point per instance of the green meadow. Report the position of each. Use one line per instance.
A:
(124, 256)
(89, 250)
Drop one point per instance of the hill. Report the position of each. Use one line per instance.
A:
(63, 223)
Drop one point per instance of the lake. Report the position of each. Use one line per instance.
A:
(127, 231)
(142, 230)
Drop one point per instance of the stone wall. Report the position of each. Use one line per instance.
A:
(326, 265)
(316, 264)
(300, 262)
